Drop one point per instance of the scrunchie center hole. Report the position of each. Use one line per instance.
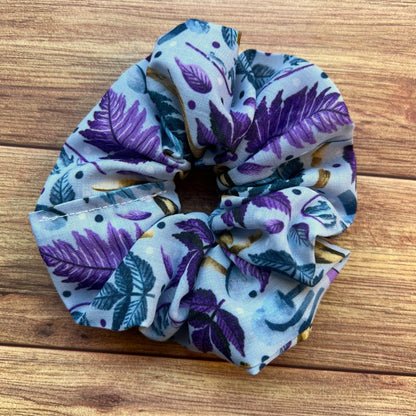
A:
(198, 191)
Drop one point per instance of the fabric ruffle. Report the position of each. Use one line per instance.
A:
(245, 281)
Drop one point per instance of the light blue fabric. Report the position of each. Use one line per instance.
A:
(244, 281)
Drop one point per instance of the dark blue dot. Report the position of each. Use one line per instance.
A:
(79, 174)
(157, 54)
(191, 104)
(289, 157)
(216, 45)
(241, 94)
(66, 294)
(161, 225)
(86, 200)
(228, 203)
(267, 53)
(296, 191)
(323, 75)
(169, 169)
(103, 323)
(99, 218)
(253, 294)
(336, 165)
(265, 358)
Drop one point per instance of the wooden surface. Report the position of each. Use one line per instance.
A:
(57, 59)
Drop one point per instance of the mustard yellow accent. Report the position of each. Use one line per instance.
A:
(238, 37)
(225, 179)
(247, 242)
(212, 264)
(226, 239)
(148, 234)
(166, 205)
(323, 178)
(304, 335)
(111, 185)
(326, 255)
(318, 155)
(244, 365)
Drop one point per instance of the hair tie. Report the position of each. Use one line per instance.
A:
(245, 281)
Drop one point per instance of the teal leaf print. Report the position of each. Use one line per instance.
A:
(299, 234)
(230, 36)
(283, 262)
(107, 298)
(63, 161)
(134, 279)
(61, 191)
(320, 212)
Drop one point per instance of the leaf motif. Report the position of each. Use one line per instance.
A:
(276, 200)
(299, 234)
(195, 76)
(198, 227)
(204, 135)
(230, 36)
(173, 33)
(203, 300)
(197, 26)
(231, 329)
(251, 168)
(107, 298)
(167, 262)
(260, 75)
(349, 157)
(161, 320)
(220, 125)
(275, 260)
(135, 215)
(220, 340)
(190, 240)
(92, 261)
(274, 226)
(320, 212)
(295, 118)
(201, 339)
(63, 161)
(244, 61)
(61, 191)
(120, 132)
(135, 279)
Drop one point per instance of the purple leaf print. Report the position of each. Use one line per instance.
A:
(195, 77)
(201, 339)
(349, 157)
(251, 168)
(204, 301)
(204, 135)
(135, 215)
(220, 125)
(168, 263)
(294, 119)
(214, 324)
(276, 200)
(220, 340)
(92, 261)
(120, 132)
(274, 226)
(230, 327)
(235, 216)
(199, 228)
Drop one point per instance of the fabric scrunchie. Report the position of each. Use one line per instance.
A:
(243, 282)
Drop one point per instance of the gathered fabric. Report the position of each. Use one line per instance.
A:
(244, 281)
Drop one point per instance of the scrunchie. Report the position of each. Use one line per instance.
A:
(243, 282)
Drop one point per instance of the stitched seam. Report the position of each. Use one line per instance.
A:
(44, 219)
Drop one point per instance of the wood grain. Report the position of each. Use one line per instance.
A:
(54, 71)
(39, 382)
(58, 59)
(367, 320)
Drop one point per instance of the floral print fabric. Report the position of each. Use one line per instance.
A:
(244, 281)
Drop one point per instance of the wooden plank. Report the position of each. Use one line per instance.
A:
(54, 71)
(367, 320)
(38, 382)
